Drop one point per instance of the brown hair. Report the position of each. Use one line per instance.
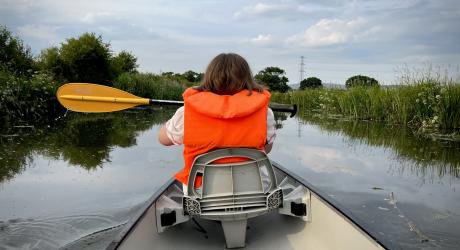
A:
(228, 74)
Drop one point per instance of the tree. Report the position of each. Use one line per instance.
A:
(171, 75)
(192, 76)
(86, 59)
(274, 77)
(123, 62)
(14, 55)
(50, 60)
(310, 82)
(363, 81)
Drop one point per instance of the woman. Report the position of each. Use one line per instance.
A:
(228, 109)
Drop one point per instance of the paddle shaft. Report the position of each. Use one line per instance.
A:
(274, 106)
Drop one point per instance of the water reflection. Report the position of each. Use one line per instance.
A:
(405, 195)
(429, 159)
(83, 140)
(279, 118)
(120, 164)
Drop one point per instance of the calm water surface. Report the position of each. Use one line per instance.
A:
(75, 183)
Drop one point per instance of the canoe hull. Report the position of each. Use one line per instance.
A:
(325, 227)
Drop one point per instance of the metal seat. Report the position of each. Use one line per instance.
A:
(232, 192)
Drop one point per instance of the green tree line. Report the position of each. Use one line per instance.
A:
(28, 84)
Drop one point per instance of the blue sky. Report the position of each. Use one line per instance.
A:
(337, 38)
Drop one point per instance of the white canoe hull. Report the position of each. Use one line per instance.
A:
(327, 228)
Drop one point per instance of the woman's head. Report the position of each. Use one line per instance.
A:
(228, 74)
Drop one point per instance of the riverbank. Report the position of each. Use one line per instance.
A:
(28, 83)
(429, 107)
(32, 99)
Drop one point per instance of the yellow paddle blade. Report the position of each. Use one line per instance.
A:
(94, 98)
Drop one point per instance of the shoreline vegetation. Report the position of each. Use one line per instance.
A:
(429, 106)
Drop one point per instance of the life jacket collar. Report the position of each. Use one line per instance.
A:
(241, 104)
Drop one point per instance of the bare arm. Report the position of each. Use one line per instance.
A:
(163, 138)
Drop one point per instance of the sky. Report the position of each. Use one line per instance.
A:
(338, 39)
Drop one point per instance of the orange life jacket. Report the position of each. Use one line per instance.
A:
(214, 121)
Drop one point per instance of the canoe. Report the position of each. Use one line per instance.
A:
(289, 213)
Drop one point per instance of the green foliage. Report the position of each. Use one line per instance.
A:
(188, 78)
(273, 77)
(192, 76)
(86, 59)
(310, 82)
(14, 55)
(26, 98)
(123, 62)
(150, 86)
(361, 81)
(427, 107)
(50, 61)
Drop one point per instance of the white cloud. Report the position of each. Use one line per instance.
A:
(40, 32)
(262, 39)
(259, 8)
(333, 31)
(92, 17)
(284, 10)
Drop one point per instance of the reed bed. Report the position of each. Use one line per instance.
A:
(427, 106)
(150, 86)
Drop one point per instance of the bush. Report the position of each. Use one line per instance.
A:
(26, 98)
(14, 55)
(273, 77)
(86, 59)
(123, 62)
(362, 81)
(310, 82)
(192, 76)
(51, 62)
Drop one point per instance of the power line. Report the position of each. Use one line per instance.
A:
(302, 70)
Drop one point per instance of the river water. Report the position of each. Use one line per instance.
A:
(75, 183)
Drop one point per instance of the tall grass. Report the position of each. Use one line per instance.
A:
(150, 86)
(428, 105)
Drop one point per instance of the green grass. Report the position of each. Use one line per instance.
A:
(149, 85)
(426, 106)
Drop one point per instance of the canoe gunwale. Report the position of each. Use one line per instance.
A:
(130, 226)
(340, 209)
